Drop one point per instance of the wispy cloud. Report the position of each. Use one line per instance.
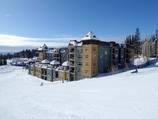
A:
(12, 43)
(11, 40)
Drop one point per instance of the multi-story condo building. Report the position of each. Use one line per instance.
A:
(53, 54)
(64, 71)
(122, 51)
(42, 53)
(150, 47)
(45, 64)
(75, 60)
(38, 70)
(104, 60)
(90, 55)
(153, 47)
(64, 55)
(146, 49)
(82, 59)
(114, 56)
(58, 54)
(32, 69)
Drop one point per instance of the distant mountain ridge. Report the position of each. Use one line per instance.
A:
(13, 49)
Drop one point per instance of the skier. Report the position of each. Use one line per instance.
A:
(136, 70)
(41, 84)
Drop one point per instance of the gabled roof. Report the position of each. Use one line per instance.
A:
(65, 64)
(45, 61)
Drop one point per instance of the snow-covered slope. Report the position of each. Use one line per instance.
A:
(121, 96)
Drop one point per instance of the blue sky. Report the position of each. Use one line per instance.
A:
(69, 19)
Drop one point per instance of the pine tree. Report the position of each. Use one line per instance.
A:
(133, 45)
(137, 43)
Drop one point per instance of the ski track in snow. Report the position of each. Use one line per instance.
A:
(120, 96)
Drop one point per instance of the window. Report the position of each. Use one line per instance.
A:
(86, 56)
(86, 64)
(94, 49)
(86, 50)
(94, 55)
(79, 63)
(106, 52)
(86, 71)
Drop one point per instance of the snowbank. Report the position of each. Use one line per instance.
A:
(140, 61)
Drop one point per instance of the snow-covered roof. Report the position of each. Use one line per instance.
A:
(34, 58)
(44, 66)
(30, 60)
(54, 62)
(58, 68)
(90, 36)
(65, 64)
(62, 51)
(55, 50)
(75, 43)
(38, 65)
(43, 47)
(79, 44)
(50, 51)
(45, 61)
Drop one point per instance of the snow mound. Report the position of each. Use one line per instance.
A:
(140, 61)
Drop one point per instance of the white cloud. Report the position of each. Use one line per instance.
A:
(12, 43)
(11, 40)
